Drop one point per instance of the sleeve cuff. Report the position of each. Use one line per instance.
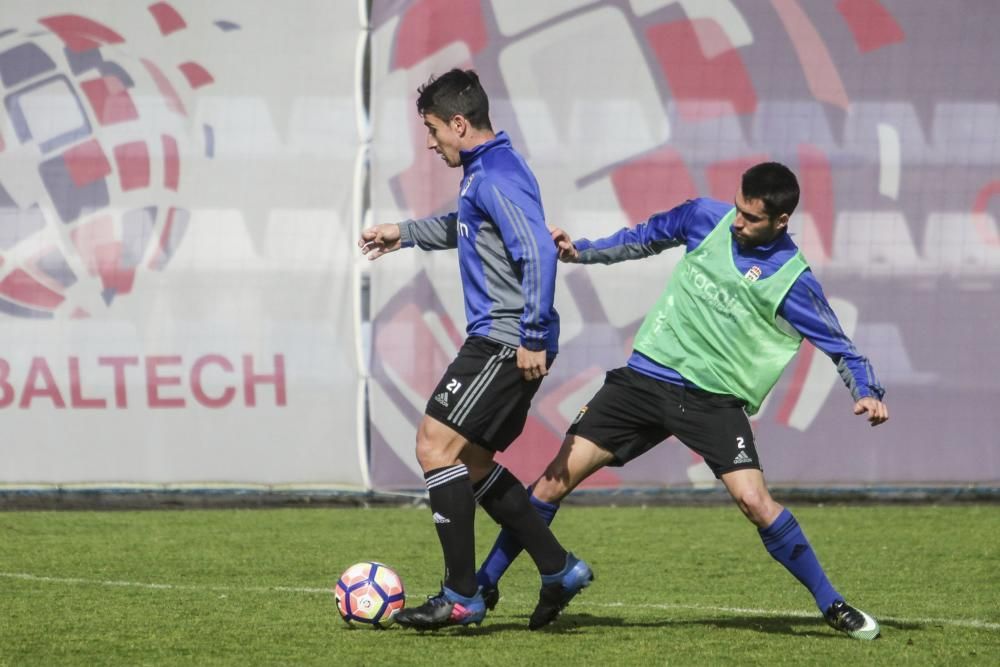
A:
(534, 345)
(405, 235)
(864, 391)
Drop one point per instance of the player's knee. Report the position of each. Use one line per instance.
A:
(424, 453)
(430, 453)
(438, 446)
(549, 489)
(757, 505)
(478, 468)
(555, 483)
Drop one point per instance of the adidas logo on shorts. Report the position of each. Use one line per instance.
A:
(742, 458)
(442, 398)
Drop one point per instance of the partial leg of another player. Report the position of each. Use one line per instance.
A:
(787, 544)
(504, 498)
(577, 459)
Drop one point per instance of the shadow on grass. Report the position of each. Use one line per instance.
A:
(571, 623)
(488, 628)
(781, 625)
(793, 626)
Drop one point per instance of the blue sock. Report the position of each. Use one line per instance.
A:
(506, 548)
(786, 542)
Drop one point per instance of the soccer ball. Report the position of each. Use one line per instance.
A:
(369, 594)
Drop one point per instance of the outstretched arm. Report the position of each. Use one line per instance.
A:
(806, 309)
(436, 233)
(661, 231)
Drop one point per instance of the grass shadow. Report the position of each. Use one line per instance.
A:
(488, 628)
(795, 626)
(568, 623)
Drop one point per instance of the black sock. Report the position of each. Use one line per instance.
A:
(454, 515)
(507, 503)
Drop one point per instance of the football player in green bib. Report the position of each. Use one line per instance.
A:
(731, 318)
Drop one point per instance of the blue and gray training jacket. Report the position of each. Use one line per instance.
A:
(805, 307)
(506, 257)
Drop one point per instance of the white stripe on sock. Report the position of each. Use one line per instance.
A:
(489, 481)
(447, 475)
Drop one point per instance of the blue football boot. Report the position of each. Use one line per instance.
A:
(444, 609)
(558, 589)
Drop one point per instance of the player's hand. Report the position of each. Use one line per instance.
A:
(877, 411)
(531, 364)
(379, 240)
(564, 244)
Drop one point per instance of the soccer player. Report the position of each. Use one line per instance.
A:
(507, 263)
(731, 318)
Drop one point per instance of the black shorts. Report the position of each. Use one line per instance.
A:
(483, 395)
(632, 413)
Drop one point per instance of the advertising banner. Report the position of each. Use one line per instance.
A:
(884, 110)
(177, 281)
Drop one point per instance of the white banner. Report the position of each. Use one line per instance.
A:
(176, 229)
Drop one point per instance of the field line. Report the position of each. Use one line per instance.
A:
(742, 611)
(172, 587)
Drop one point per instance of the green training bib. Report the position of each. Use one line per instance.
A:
(716, 326)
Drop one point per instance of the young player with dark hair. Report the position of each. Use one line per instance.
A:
(507, 263)
(732, 316)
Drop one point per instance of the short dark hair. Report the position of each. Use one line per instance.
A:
(455, 92)
(775, 185)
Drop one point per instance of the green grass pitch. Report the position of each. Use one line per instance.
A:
(674, 586)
